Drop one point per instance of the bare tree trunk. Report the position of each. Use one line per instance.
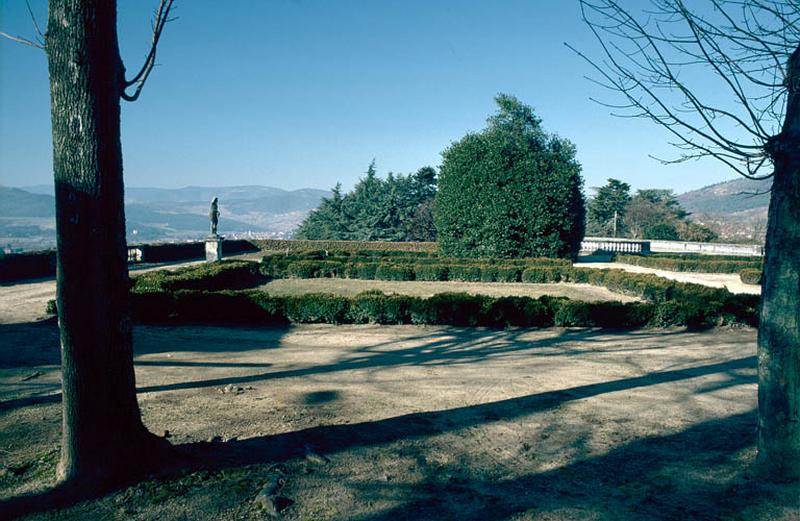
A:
(779, 329)
(103, 435)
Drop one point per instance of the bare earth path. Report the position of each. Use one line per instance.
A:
(411, 422)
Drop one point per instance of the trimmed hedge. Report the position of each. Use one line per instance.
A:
(544, 275)
(345, 246)
(188, 295)
(171, 252)
(703, 256)
(379, 267)
(29, 265)
(227, 274)
(693, 264)
(458, 309)
(751, 276)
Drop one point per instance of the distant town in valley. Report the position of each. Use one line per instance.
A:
(735, 210)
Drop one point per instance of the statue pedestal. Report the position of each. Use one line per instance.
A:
(214, 248)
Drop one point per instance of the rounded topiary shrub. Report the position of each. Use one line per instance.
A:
(511, 190)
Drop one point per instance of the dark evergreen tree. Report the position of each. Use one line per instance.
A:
(606, 210)
(376, 209)
(328, 221)
(511, 190)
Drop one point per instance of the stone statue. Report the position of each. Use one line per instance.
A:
(213, 216)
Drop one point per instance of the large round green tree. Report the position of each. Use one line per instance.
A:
(511, 190)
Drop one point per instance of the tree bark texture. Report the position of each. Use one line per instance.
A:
(102, 429)
(779, 329)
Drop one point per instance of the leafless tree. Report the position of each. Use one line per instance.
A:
(104, 439)
(723, 78)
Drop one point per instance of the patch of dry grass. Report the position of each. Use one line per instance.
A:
(349, 287)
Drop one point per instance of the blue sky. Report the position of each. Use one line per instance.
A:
(306, 93)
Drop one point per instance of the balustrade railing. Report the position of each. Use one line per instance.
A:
(592, 244)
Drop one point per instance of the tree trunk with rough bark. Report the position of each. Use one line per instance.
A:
(103, 435)
(779, 329)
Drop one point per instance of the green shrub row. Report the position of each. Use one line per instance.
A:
(751, 276)
(459, 309)
(404, 257)
(703, 256)
(701, 265)
(666, 299)
(644, 285)
(278, 267)
(648, 286)
(28, 265)
(244, 274)
(293, 246)
(227, 274)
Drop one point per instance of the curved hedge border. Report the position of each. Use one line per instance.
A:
(644, 285)
(430, 268)
(751, 276)
(701, 265)
(227, 274)
(208, 292)
(458, 309)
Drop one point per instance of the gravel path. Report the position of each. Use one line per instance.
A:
(730, 281)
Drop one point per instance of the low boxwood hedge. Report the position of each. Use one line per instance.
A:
(227, 274)
(751, 276)
(258, 307)
(700, 265)
(701, 256)
(340, 246)
(431, 272)
(458, 309)
(405, 267)
(394, 272)
(212, 292)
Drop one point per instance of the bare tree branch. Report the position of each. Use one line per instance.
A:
(744, 43)
(41, 38)
(160, 20)
(21, 40)
(38, 43)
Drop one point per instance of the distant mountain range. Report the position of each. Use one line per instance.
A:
(158, 214)
(736, 210)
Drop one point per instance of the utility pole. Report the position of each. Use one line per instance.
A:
(615, 224)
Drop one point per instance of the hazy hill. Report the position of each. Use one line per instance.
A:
(736, 209)
(21, 203)
(728, 197)
(261, 198)
(153, 214)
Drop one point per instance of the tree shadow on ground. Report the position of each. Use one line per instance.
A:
(29, 344)
(336, 438)
(583, 483)
(451, 346)
(696, 474)
(441, 346)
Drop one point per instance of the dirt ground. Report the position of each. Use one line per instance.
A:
(414, 422)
